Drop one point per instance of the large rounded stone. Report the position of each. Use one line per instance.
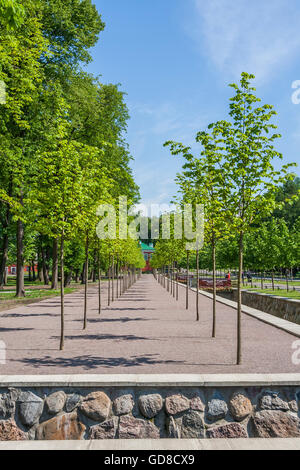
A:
(31, 408)
(73, 401)
(96, 406)
(9, 431)
(65, 427)
(106, 430)
(150, 405)
(227, 431)
(276, 424)
(240, 406)
(177, 404)
(123, 405)
(132, 428)
(7, 406)
(217, 409)
(55, 402)
(196, 404)
(192, 426)
(271, 401)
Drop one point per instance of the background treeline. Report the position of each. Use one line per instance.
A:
(62, 148)
(272, 246)
(62, 145)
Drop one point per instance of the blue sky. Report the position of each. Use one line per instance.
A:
(175, 58)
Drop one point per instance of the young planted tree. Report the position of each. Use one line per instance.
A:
(251, 177)
(57, 197)
(203, 181)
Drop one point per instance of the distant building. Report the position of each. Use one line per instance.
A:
(148, 251)
(12, 269)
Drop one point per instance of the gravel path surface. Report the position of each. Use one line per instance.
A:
(145, 331)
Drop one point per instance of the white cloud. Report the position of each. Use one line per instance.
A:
(151, 125)
(255, 36)
(167, 121)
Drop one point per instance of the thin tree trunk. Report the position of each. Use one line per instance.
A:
(86, 280)
(20, 291)
(239, 303)
(197, 288)
(113, 280)
(214, 288)
(108, 300)
(54, 280)
(118, 277)
(177, 292)
(168, 279)
(99, 281)
(40, 269)
(62, 294)
(187, 280)
(83, 274)
(273, 284)
(174, 279)
(95, 267)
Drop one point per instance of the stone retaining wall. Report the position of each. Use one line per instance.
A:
(281, 307)
(148, 412)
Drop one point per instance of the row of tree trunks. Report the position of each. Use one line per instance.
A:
(119, 281)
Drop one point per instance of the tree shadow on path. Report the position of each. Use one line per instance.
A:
(93, 362)
(105, 337)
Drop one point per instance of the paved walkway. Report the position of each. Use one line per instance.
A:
(146, 331)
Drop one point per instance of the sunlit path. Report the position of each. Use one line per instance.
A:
(144, 331)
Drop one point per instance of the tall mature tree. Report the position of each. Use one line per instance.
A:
(22, 74)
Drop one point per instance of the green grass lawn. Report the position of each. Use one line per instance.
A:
(35, 294)
(291, 283)
(281, 293)
(257, 283)
(11, 282)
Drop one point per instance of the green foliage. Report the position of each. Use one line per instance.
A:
(11, 14)
(288, 196)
